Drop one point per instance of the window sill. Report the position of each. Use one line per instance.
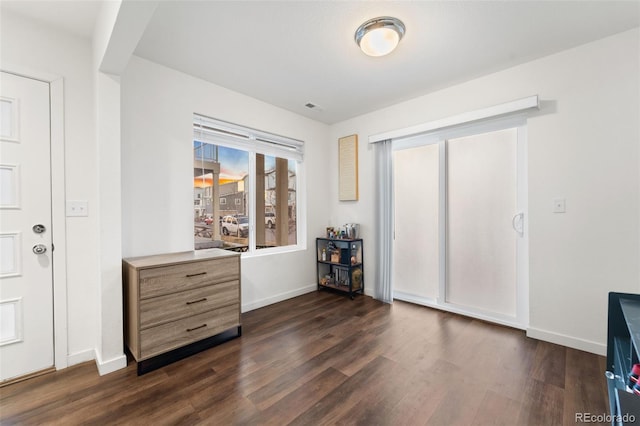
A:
(275, 250)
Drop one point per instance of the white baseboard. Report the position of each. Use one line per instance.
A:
(104, 367)
(279, 297)
(110, 365)
(80, 357)
(569, 341)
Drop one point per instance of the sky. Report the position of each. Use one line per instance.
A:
(234, 163)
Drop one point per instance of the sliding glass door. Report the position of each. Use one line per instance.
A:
(481, 202)
(416, 249)
(460, 198)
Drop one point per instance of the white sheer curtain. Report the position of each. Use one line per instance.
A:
(384, 221)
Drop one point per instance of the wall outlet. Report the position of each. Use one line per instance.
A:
(77, 208)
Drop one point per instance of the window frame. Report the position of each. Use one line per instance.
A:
(259, 142)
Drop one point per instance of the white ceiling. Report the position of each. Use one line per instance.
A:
(288, 53)
(75, 16)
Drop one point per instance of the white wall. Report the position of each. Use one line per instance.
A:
(116, 33)
(33, 46)
(109, 350)
(583, 146)
(157, 178)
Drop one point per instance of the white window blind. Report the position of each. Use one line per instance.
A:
(219, 132)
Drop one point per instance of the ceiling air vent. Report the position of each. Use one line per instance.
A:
(311, 105)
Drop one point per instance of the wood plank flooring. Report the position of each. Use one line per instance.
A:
(324, 359)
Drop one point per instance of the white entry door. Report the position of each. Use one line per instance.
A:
(26, 275)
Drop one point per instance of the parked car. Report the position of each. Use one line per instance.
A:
(208, 219)
(270, 220)
(232, 225)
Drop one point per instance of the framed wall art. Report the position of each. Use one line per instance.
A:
(348, 168)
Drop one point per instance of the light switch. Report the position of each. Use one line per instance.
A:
(559, 205)
(77, 208)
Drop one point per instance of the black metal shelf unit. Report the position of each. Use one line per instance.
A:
(623, 351)
(339, 264)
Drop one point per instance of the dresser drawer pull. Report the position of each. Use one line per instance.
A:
(195, 275)
(204, 299)
(195, 328)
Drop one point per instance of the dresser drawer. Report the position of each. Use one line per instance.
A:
(171, 307)
(170, 279)
(165, 337)
(174, 300)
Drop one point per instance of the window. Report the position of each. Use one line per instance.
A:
(255, 176)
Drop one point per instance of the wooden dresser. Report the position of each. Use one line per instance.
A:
(180, 303)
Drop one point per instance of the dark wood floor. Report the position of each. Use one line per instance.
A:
(324, 359)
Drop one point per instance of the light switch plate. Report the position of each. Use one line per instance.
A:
(559, 205)
(77, 208)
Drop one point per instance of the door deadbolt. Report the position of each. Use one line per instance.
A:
(39, 249)
(39, 229)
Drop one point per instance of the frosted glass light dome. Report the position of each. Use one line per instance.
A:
(379, 36)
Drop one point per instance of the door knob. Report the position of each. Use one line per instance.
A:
(39, 249)
(39, 229)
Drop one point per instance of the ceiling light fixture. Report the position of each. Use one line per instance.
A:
(379, 36)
